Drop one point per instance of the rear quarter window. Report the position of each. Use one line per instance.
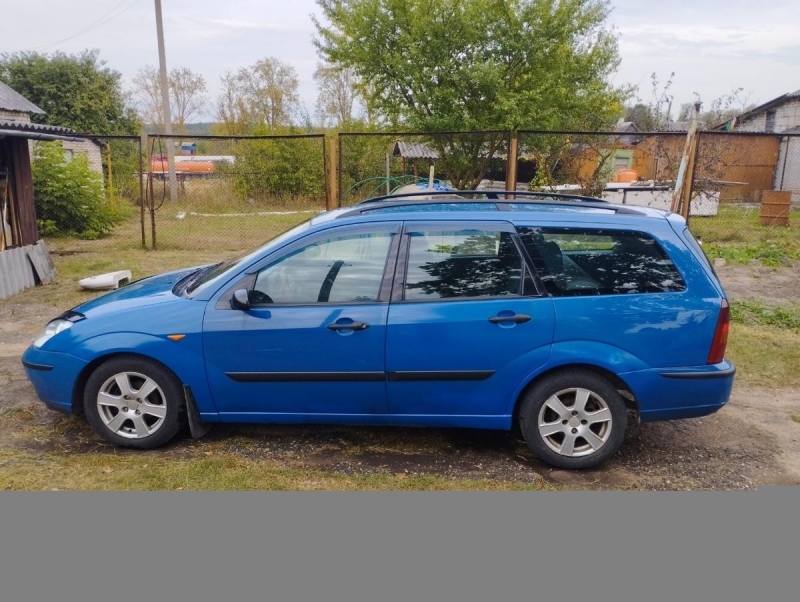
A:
(580, 261)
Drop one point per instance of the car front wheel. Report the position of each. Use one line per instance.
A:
(134, 402)
(573, 419)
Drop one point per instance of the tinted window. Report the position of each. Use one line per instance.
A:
(600, 262)
(462, 263)
(341, 269)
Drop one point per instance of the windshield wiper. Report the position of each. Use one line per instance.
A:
(183, 285)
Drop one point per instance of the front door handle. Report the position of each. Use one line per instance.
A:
(515, 318)
(348, 326)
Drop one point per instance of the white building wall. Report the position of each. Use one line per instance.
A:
(14, 116)
(88, 149)
(787, 172)
(787, 116)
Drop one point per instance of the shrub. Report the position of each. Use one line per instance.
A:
(70, 196)
(283, 168)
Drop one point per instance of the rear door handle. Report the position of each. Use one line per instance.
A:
(516, 319)
(348, 326)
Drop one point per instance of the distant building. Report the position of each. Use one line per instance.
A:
(776, 116)
(780, 115)
(24, 261)
(15, 115)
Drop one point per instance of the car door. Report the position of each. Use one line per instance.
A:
(467, 324)
(312, 341)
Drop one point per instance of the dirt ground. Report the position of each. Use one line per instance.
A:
(752, 441)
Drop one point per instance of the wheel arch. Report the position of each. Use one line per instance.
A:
(622, 387)
(83, 378)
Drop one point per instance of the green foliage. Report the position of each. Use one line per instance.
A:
(75, 91)
(69, 195)
(282, 168)
(785, 317)
(477, 64)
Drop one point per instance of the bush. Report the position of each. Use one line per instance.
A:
(70, 196)
(283, 168)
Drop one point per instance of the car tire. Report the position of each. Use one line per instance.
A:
(135, 402)
(574, 419)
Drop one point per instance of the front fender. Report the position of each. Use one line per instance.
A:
(184, 358)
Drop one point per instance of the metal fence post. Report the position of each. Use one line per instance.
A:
(332, 198)
(513, 160)
(141, 191)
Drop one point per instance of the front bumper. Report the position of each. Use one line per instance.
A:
(53, 376)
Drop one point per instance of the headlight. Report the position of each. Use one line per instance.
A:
(51, 330)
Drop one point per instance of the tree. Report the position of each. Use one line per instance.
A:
(655, 115)
(477, 64)
(147, 92)
(187, 93)
(338, 95)
(266, 93)
(642, 116)
(75, 91)
(720, 110)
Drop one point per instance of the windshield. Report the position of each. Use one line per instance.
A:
(221, 270)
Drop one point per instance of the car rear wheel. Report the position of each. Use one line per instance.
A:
(573, 419)
(134, 402)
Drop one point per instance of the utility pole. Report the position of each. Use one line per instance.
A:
(162, 62)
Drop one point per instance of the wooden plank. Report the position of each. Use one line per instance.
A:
(23, 184)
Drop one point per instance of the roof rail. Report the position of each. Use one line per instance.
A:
(435, 197)
(489, 194)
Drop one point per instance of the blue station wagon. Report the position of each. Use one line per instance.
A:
(564, 316)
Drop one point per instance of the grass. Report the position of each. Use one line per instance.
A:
(765, 356)
(795, 418)
(736, 235)
(20, 470)
(786, 317)
(193, 240)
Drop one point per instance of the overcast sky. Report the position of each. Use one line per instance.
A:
(713, 46)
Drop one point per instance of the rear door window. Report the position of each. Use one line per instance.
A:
(462, 263)
(573, 261)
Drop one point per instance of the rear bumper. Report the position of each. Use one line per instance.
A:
(53, 376)
(671, 394)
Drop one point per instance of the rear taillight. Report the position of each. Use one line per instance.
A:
(717, 353)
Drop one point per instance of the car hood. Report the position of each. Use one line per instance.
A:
(147, 291)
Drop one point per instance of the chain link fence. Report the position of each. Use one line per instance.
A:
(233, 193)
(379, 163)
(86, 187)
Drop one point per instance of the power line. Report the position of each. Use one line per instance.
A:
(106, 18)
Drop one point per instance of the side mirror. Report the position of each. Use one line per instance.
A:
(240, 300)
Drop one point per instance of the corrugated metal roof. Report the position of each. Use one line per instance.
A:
(11, 100)
(409, 150)
(36, 131)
